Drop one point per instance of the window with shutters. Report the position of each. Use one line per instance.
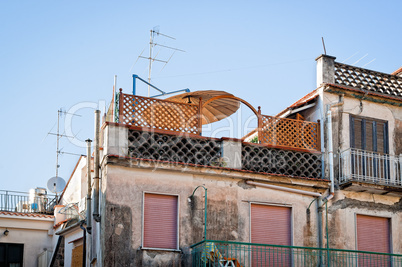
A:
(369, 143)
(369, 134)
(160, 221)
(373, 234)
(271, 225)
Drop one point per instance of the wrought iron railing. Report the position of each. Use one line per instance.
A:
(15, 201)
(372, 167)
(225, 253)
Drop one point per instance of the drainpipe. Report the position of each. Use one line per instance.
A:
(287, 189)
(96, 167)
(89, 217)
(330, 154)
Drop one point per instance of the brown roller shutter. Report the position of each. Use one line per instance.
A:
(160, 221)
(373, 235)
(271, 225)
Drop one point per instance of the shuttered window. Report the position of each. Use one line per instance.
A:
(271, 225)
(369, 134)
(373, 234)
(160, 221)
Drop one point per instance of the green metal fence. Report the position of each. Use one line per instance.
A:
(224, 253)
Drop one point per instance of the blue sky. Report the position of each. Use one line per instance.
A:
(65, 54)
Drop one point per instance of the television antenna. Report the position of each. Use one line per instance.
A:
(56, 180)
(153, 33)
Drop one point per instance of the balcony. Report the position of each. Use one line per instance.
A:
(358, 167)
(166, 131)
(225, 253)
(22, 202)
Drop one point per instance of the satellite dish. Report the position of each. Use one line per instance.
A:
(56, 184)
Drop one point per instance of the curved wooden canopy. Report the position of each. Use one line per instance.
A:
(216, 105)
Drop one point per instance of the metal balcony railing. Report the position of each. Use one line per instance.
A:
(372, 167)
(225, 253)
(15, 201)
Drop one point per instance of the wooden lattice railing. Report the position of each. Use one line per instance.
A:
(289, 133)
(159, 114)
(186, 118)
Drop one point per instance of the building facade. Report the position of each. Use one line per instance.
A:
(322, 185)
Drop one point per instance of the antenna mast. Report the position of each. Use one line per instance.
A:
(151, 59)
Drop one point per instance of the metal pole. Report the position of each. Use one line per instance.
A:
(96, 167)
(150, 63)
(89, 185)
(134, 83)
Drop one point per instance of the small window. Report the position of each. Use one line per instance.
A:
(160, 228)
(11, 254)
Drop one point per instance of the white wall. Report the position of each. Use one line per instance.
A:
(34, 232)
(69, 245)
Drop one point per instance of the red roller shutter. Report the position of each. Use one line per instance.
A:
(271, 225)
(373, 235)
(160, 221)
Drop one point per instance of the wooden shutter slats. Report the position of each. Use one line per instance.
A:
(373, 234)
(160, 221)
(271, 225)
(357, 128)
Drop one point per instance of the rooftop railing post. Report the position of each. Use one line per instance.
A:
(120, 105)
(259, 133)
(6, 204)
(199, 115)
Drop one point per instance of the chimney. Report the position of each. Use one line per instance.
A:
(325, 69)
(398, 72)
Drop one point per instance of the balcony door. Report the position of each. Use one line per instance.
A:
(369, 143)
(271, 225)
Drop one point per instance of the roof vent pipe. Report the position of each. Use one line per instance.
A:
(88, 204)
(96, 167)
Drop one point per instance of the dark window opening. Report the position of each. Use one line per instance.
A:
(11, 255)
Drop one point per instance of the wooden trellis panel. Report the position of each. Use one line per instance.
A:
(159, 114)
(289, 133)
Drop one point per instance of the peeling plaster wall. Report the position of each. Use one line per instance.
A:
(228, 213)
(342, 217)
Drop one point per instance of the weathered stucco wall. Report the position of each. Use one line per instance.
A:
(342, 217)
(228, 213)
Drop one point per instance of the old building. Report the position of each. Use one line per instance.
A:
(26, 228)
(322, 186)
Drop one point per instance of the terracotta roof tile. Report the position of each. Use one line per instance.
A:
(310, 96)
(60, 223)
(22, 214)
(305, 99)
(397, 71)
